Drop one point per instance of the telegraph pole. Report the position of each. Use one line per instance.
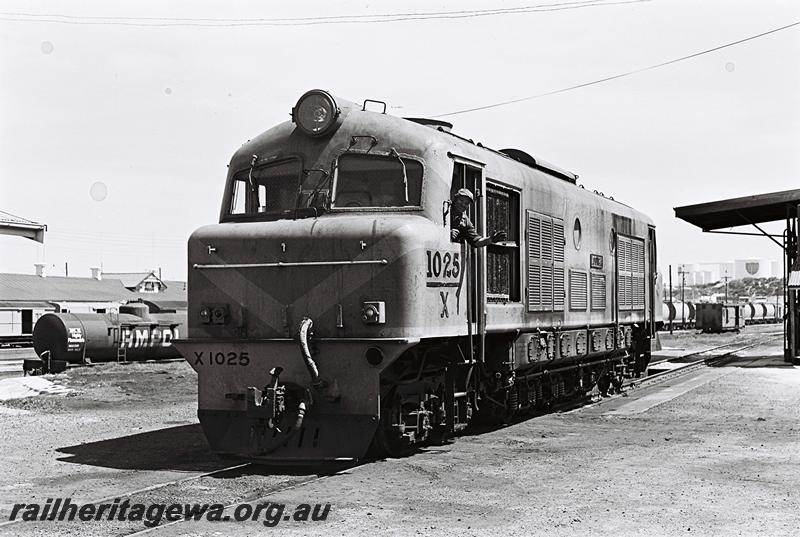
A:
(726, 278)
(670, 297)
(682, 274)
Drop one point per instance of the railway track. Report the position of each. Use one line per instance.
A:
(689, 363)
(12, 367)
(685, 357)
(697, 360)
(131, 493)
(260, 496)
(254, 495)
(127, 362)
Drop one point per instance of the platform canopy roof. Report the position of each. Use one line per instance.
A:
(16, 225)
(741, 211)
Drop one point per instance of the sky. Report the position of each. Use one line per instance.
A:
(117, 120)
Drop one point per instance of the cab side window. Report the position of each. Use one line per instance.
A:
(502, 259)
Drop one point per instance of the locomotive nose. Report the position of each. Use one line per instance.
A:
(341, 272)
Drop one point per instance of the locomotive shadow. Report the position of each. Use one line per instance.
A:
(181, 447)
(478, 428)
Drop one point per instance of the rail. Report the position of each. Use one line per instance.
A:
(150, 488)
(696, 364)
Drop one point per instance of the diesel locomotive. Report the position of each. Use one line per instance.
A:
(330, 313)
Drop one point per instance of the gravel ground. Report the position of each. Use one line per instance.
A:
(122, 425)
(710, 455)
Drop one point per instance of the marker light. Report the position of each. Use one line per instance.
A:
(315, 113)
(370, 314)
(373, 312)
(214, 313)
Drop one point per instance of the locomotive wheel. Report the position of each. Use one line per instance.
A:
(492, 414)
(603, 383)
(388, 442)
(616, 381)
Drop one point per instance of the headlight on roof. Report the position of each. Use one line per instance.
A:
(315, 113)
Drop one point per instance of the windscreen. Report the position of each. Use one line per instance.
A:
(273, 189)
(376, 181)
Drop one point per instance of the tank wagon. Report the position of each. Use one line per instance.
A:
(330, 312)
(765, 312)
(770, 312)
(687, 314)
(137, 332)
(680, 314)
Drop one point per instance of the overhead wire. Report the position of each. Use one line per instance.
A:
(133, 236)
(617, 76)
(300, 21)
(309, 19)
(117, 239)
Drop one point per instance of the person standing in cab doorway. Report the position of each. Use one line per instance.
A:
(462, 229)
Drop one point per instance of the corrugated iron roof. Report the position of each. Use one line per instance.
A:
(129, 279)
(26, 304)
(165, 304)
(174, 284)
(794, 279)
(175, 294)
(8, 218)
(17, 287)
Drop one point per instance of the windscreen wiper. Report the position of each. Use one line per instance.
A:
(394, 153)
(250, 173)
(324, 180)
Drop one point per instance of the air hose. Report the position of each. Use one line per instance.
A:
(305, 334)
(302, 408)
